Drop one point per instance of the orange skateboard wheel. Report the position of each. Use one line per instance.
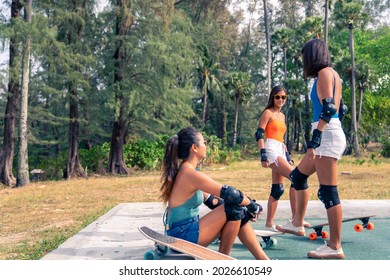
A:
(370, 226)
(313, 236)
(358, 228)
(325, 234)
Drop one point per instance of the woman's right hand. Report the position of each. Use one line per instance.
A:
(265, 164)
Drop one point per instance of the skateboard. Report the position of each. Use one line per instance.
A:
(164, 243)
(365, 224)
(267, 236)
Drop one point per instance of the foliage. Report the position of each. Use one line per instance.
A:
(215, 153)
(386, 148)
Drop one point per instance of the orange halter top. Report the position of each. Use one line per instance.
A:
(275, 129)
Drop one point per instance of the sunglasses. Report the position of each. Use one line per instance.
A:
(277, 97)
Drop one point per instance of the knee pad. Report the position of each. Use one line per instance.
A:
(234, 212)
(246, 218)
(298, 179)
(231, 195)
(277, 190)
(329, 195)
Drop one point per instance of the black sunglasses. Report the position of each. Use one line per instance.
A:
(277, 97)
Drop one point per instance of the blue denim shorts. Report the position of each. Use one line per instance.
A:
(187, 230)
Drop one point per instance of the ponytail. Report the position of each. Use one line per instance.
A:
(177, 147)
(170, 167)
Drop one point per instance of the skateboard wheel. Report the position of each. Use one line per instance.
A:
(313, 236)
(272, 242)
(150, 255)
(325, 234)
(370, 226)
(162, 250)
(358, 228)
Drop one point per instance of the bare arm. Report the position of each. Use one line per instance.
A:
(264, 119)
(325, 86)
(204, 183)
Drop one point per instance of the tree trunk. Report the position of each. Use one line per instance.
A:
(12, 107)
(354, 132)
(285, 63)
(204, 106)
(268, 42)
(224, 118)
(23, 177)
(74, 168)
(302, 131)
(116, 162)
(236, 121)
(360, 105)
(326, 21)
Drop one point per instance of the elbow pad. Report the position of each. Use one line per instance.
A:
(328, 109)
(342, 110)
(211, 203)
(259, 134)
(231, 195)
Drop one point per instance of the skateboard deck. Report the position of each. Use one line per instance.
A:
(365, 224)
(267, 237)
(164, 243)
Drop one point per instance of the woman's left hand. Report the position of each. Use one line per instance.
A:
(310, 153)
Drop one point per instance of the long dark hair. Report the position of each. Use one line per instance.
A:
(177, 147)
(315, 57)
(274, 91)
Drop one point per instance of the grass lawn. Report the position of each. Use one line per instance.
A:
(37, 218)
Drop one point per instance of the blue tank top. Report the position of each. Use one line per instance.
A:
(317, 106)
(187, 210)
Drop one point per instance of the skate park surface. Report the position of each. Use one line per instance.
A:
(115, 235)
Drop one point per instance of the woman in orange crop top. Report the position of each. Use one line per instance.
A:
(274, 153)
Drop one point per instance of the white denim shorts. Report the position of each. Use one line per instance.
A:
(333, 141)
(274, 150)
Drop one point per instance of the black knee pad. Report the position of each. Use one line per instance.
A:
(247, 217)
(277, 190)
(329, 195)
(298, 179)
(231, 195)
(234, 212)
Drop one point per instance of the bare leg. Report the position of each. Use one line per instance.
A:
(306, 166)
(211, 225)
(228, 235)
(249, 239)
(277, 178)
(271, 210)
(293, 202)
(327, 175)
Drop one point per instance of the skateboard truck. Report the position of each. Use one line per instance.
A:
(365, 224)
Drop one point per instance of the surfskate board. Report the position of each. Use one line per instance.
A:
(164, 242)
(268, 237)
(365, 224)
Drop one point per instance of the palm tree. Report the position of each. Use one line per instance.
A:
(350, 13)
(268, 42)
(241, 88)
(207, 71)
